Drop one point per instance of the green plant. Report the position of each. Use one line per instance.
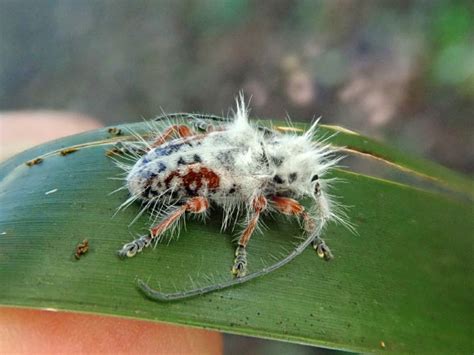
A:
(404, 280)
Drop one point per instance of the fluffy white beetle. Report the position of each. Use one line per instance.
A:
(236, 166)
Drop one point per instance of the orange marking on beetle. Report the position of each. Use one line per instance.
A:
(196, 178)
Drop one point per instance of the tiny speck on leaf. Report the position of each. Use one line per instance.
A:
(112, 152)
(81, 249)
(35, 161)
(68, 151)
(115, 131)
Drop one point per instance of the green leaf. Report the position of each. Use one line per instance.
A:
(356, 144)
(405, 279)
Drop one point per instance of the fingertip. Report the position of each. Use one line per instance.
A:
(38, 331)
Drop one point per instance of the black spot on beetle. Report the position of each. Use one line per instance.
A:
(226, 159)
(292, 177)
(190, 191)
(277, 161)
(315, 177)
(168, 150)
(161, 167)
(233, 189)
(197, 158)
(277, 179)
(181, 161)
(317, 189)
(263, 157)
(146, 192)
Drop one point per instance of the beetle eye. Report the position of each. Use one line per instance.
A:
(314, 178)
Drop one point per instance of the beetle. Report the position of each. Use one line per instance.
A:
(237, 166)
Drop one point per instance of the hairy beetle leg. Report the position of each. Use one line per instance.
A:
(259, 203)
(193, 205)
(322, 249)
(136, 246)
(182, 131)
(123, 148)
(240, 262)
(290, 207)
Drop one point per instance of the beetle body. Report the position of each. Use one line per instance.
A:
(235, 166)
(207, 165)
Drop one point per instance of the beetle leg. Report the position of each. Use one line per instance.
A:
(182, 131)
(292, 207)
(194, 205)
(239, 269)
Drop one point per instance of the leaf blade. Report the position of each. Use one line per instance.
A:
(374, 291)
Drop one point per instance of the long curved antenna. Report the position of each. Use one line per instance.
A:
(161, 296)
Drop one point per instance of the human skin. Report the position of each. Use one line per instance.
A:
(42, 331)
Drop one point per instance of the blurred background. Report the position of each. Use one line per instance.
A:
(401, 71)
